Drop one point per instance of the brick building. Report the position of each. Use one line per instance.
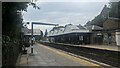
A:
(111, 26)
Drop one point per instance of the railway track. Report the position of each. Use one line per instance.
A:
(105, 56)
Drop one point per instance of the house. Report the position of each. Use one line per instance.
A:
(111, 26)
(101, 18)
(105, 12)
(97, 34)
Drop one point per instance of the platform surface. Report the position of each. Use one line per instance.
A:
(47, 56)
(104, 47)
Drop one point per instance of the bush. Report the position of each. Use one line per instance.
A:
(10, 51)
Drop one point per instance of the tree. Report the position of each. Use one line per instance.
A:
(11, 28)
(12, 17)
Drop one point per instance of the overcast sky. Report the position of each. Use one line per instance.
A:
(63, 13)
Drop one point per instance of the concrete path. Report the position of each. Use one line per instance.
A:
(47, 56)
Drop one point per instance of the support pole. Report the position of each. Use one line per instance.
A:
(32, 41)
(37, 23)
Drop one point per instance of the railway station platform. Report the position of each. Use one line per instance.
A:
(103, 47)
(47, 56)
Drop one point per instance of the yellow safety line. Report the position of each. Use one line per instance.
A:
(81, 61)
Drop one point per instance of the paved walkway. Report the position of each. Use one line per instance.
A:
(47, 56)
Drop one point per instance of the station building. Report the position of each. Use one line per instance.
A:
(96, 34)
(112, 31)
(70, 34)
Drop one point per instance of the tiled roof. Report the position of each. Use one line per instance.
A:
(69, 28)
(94, 27)
(81, 27)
